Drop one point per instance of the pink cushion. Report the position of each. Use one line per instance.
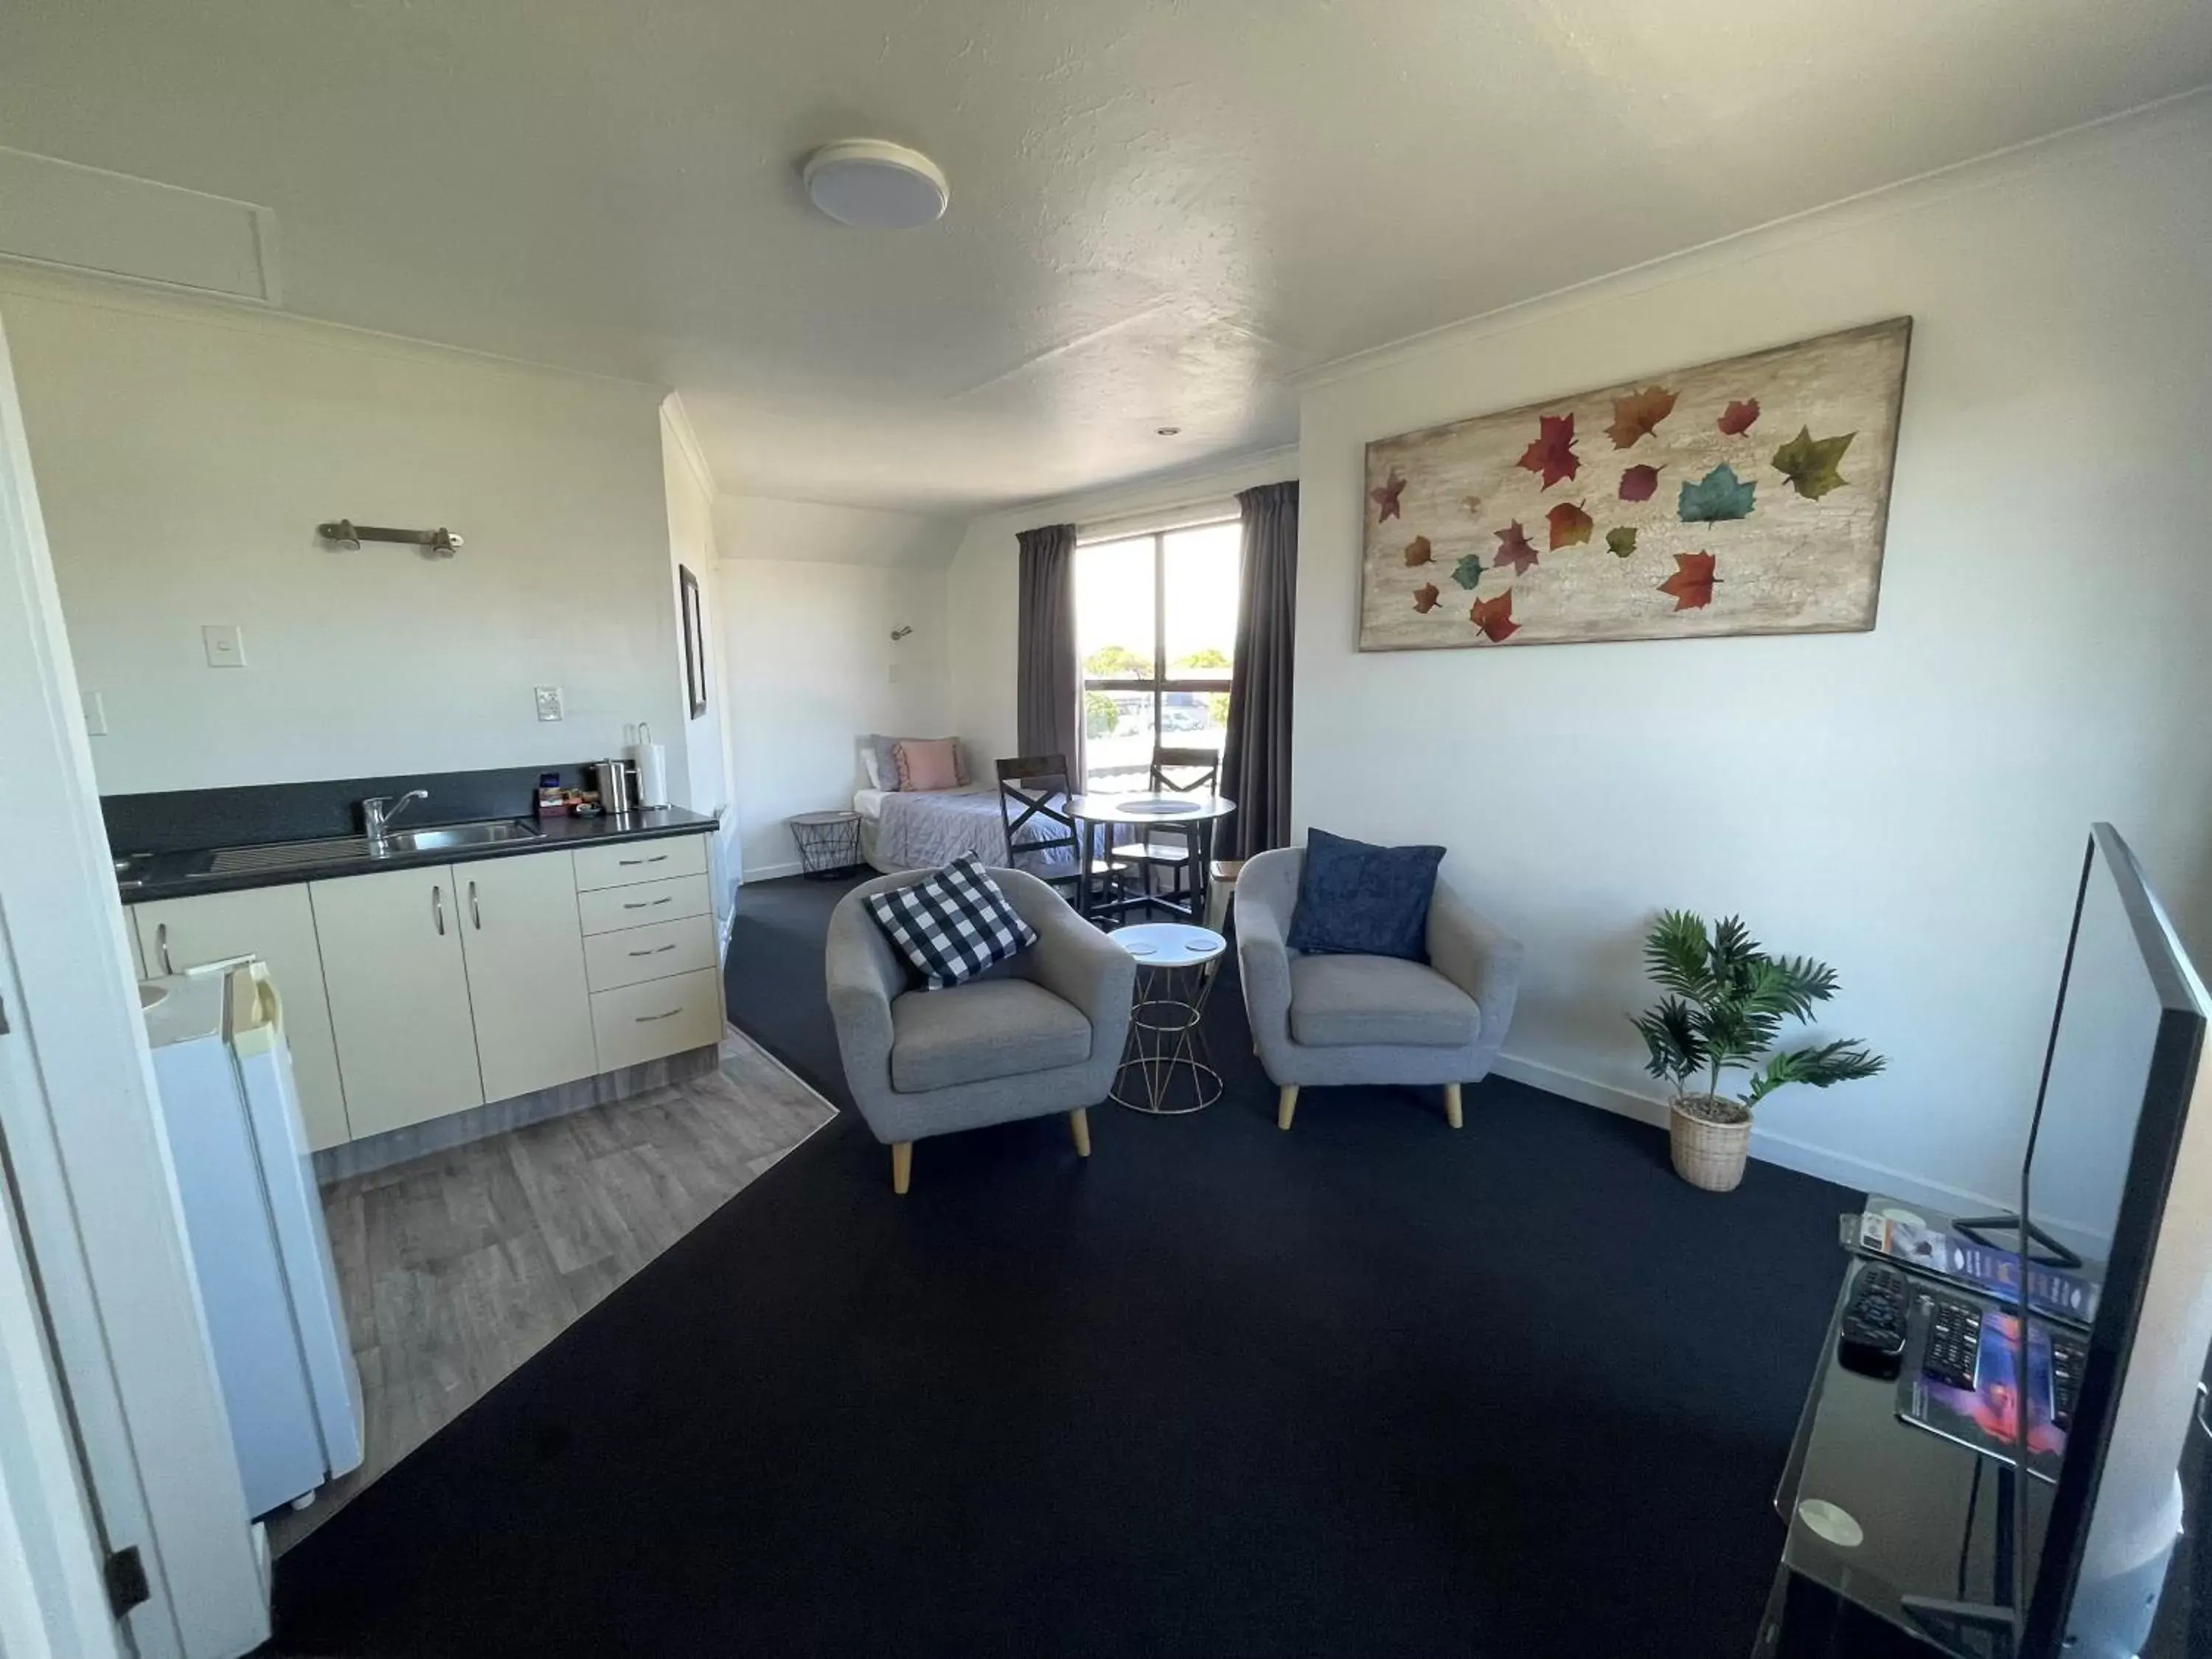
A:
(927, 762)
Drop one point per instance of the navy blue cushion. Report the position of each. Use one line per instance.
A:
(1355, 899)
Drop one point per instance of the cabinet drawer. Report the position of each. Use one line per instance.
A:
(652, 952)
(640, 860)
(607, 908)
(639, 1023)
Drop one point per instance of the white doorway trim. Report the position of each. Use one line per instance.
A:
(89, 1161)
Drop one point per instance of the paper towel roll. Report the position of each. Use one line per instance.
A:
(651, 762)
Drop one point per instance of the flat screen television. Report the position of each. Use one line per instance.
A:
(2118, 1168)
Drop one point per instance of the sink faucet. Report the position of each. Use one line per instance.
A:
(378, 811)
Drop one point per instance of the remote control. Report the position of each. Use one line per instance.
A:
(1872, 1339)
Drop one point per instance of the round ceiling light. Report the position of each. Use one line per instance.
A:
(876, 184)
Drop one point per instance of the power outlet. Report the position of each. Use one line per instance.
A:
(549, 703)
(96, 715)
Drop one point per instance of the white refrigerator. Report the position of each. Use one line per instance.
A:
(255, 1222)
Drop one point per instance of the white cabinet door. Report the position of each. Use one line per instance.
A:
(526, 959)
(278, 925)
(399, 996)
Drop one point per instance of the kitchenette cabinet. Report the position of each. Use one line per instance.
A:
(398, 988)
(524, 951)
(415, 993)
(277, 924)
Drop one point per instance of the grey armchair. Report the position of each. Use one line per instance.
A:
(1333, 1019)
(1037, 1035)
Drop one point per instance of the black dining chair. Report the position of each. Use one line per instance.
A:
(1174, 772)
(1033, 790)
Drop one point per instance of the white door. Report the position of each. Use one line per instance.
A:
(98, 1209)
(277, 924)
(526, 955)
(399, 996)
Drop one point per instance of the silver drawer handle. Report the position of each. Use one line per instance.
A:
(476, 913)
(655, 951)
(162, 944)
(647, 904)
(437, 909)
(643, 1019)
(658, 858)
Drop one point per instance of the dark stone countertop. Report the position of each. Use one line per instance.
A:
(181, 874)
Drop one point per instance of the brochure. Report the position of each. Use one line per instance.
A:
(2054, 1292)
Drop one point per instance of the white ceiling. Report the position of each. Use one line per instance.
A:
(1162, 210)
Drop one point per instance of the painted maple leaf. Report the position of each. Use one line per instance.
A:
(1639, 484)
(1495, 618)
(1385, 496)
(1809, 463)
(1571, 526)
(1553, 454)
(1719, 494)
(1468, 571)
(1735, 420)
(1418, 551)
(1424, 597)
(1513, 550)
(1622, 541)
(1692, 584)
(1636, 415)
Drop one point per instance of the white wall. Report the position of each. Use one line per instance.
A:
(985, 578)
(810, 601)
(185, 453)
(1909, 804)
(704, 786)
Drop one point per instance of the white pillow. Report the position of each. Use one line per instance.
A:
(872, 762)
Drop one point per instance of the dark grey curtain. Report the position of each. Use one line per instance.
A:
(1046, 693)
(1255, 757)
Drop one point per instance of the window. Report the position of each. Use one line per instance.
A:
(1155, 626)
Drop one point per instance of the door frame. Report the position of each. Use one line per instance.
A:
(87, 1155)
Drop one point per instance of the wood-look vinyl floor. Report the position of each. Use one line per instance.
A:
(456, 1267)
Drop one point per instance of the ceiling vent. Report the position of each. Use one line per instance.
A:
(876, 184)
(59, 213)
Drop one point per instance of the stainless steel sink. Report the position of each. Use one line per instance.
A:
(307, 855)
(445, 835)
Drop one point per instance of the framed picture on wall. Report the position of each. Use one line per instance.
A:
(694, 641)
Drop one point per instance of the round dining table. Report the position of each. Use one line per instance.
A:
(1193, 817)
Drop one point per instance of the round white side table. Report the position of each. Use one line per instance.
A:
(1166, 1070)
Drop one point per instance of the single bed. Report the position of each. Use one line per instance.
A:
(924, 829)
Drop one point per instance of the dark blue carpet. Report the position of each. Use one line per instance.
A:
(1370, 1387)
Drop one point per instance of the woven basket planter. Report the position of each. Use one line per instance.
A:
(1708, 1154)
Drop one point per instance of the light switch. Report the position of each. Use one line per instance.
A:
(96, 715)
(896, 675)
(549, 703)
(226, 645)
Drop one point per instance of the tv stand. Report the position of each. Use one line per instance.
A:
(1931, 1569)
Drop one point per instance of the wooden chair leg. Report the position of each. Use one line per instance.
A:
(1286, 1105)
(1078, 1124)
(1451, 1104)
(901, 1165)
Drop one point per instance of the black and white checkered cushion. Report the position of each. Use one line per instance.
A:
(952, 923)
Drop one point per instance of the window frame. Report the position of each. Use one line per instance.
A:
(1158, 683)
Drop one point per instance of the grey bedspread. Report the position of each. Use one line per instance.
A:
(925, 829)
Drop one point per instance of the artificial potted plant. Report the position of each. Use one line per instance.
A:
(1726, 1003)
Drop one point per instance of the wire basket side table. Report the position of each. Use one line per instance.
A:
(829, 843)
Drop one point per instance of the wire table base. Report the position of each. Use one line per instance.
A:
(1166, 1070)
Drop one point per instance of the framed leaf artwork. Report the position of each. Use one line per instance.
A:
(1748, 497)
